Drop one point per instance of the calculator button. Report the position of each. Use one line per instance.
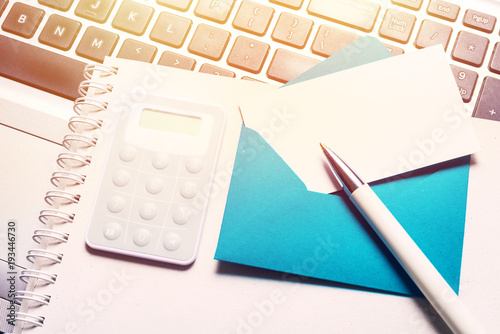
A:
(128, 153)
(121, 178)
(116, 204)
(154, 185)
(112, 230)
(181, 215)
(148, 211)
(141, 237)
(194, 165)
(160, 161)
(188, 190)
(172, 241)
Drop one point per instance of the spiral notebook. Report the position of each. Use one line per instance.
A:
(201, 116)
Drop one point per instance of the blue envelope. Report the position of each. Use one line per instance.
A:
(272, 221)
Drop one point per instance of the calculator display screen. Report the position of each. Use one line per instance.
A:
(170, 122)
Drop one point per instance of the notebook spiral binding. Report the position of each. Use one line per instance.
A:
(77, 143)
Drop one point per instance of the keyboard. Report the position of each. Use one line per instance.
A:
(46, 44)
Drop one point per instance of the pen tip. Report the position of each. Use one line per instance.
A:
(323, 146)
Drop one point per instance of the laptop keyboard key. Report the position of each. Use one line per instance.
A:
(217, 11)
(39, 68)
(397, 25)
(94, 10)
(359, 14)
(488, 101)
(433, 33)
(176, 60)
(286, 65)
(479, 21)
(3, 4)
(63, 5)
(494, 65)
(59, 32)
(96, 44)
(170, 29)
(466, 81)
(23, 20)
(182, 5)
(135, 50)
(329, 40)
(248, 54)
(209, 42)
(293, 4)
(394, 50)
(411, 4)
(470, 48)
(443, 10)
(132, 17)
(253, 18)
(211, 69)
(292, 30)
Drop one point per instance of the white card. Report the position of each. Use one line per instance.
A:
(384, 118)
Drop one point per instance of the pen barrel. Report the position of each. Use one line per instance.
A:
(433, 286)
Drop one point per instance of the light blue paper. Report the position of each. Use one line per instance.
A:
(272, 221)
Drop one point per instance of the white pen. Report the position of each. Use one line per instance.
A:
(433, 286)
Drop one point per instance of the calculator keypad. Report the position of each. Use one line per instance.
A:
(151, 204)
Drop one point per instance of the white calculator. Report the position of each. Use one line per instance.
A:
(155, 187)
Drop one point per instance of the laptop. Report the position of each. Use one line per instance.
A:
(46, 44)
